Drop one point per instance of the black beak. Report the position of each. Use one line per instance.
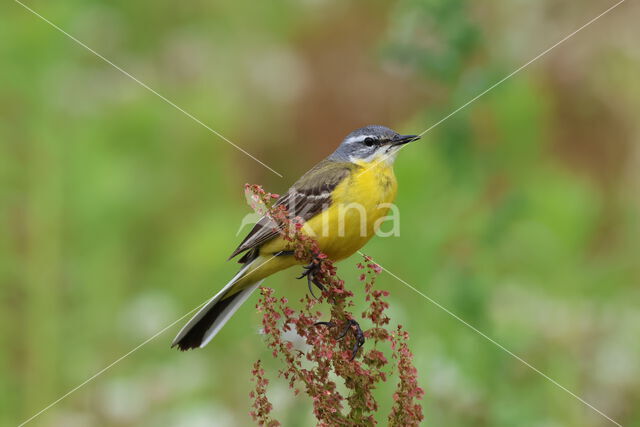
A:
(404, 139)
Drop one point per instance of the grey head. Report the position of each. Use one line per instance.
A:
(371, 142)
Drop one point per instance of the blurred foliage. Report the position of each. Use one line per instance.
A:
(519, 213)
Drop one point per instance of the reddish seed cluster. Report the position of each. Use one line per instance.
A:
(405, 411)
(261, 405)
(312, 371)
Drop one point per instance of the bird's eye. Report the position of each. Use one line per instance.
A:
(368, 141)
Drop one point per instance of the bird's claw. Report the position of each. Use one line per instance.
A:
(309, 272)
(351, 325)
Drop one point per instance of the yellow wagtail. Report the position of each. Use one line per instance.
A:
(359, 173)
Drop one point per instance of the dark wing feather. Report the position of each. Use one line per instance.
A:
(309, 196)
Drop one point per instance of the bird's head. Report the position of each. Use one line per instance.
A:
(371, 143)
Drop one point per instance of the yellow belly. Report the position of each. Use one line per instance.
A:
(360, 203)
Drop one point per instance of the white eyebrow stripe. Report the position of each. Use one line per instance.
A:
(358, 138)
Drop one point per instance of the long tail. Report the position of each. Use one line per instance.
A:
(212, 317)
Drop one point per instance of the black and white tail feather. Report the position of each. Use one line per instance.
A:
(212, 317)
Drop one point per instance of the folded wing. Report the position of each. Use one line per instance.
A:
(309, 196)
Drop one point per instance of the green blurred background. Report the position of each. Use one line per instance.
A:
(520, 213)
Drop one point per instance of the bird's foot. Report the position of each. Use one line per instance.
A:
(352, 326)
(310, 272)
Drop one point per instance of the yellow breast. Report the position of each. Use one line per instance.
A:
(360, 204)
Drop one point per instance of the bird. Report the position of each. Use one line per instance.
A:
(331, 198)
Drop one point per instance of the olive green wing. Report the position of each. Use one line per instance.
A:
(309, 196)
